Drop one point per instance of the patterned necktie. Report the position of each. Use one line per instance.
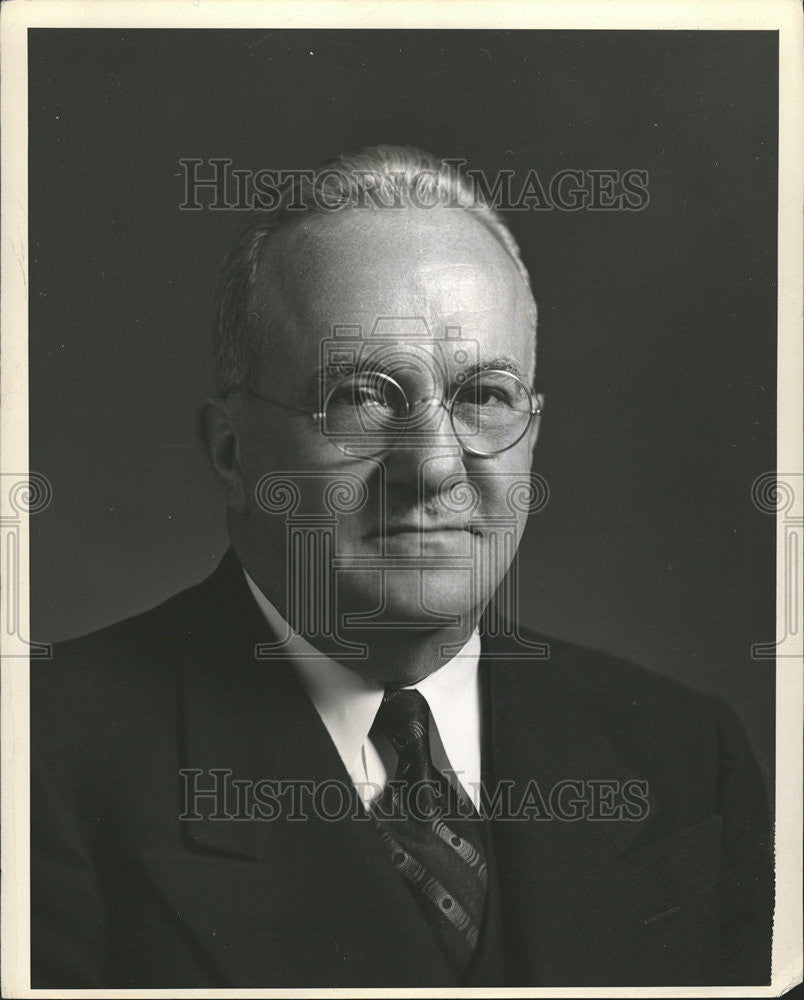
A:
(424, 825)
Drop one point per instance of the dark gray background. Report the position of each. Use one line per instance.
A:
(658, 336)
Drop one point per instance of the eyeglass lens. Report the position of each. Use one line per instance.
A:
(369, 411)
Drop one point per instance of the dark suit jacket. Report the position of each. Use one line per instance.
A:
(124, 894)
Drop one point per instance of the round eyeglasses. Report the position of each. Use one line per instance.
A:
(368, 412)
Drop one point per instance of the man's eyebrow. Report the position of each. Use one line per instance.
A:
(341, 369)
(338, 369)
(504, 364)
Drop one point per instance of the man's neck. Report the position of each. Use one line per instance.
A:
(400, 656)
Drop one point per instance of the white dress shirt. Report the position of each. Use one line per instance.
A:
(348, 703)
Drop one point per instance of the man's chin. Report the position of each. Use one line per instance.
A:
(408, 598)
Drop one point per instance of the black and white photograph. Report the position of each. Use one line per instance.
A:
(402, 498)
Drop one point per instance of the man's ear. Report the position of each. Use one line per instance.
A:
(533, 432)
(219, 437)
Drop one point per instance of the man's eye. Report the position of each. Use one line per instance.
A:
(369, 397)
(360, 397)
(486, 396)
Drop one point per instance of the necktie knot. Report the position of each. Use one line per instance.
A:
(404, 718)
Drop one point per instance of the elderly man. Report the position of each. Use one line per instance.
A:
(334, 762)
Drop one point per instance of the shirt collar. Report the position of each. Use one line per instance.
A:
(348, 702)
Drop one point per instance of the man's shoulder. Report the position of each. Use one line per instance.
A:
(144, 632)
(603, 684)
(169, 615)
(126, 663)
(93, 683)
(661, 727)
(192, 616)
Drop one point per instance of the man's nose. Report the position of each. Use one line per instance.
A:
(428, 452)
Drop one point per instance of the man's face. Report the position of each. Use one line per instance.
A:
(425, 298)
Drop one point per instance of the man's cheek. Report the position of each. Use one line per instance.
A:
(495, 507)
(352, 536)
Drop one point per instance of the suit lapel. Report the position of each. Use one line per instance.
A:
(262, 895)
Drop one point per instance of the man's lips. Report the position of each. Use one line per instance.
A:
(405, 528)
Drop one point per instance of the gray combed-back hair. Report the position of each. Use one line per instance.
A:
(373, 178)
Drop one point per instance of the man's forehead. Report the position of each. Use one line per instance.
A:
(403, 276)
(357, 260)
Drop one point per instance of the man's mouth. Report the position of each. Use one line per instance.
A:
(400, 528)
